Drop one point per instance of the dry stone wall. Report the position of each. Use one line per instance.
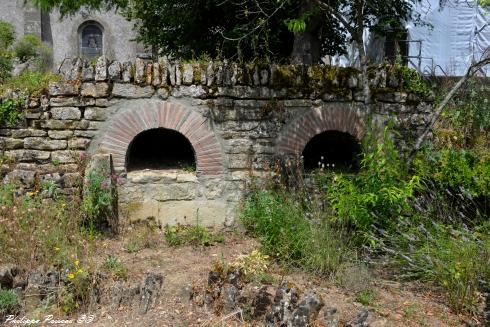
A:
(238, 119)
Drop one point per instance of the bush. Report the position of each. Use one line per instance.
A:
(7, 37)
(7, 34)
(30, 47)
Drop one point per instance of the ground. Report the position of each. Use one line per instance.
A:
(392, 303)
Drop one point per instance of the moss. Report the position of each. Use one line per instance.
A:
(288, 76)
(196, 73)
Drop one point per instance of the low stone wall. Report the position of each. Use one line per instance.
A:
(238, 118)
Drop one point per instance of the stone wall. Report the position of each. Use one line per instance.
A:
(238, 119)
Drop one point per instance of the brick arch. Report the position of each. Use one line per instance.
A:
(128, 124)
(294, 138)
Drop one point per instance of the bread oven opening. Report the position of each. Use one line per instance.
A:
(159, 149)
(332, 150)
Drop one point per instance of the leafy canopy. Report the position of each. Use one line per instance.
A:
(246, 29)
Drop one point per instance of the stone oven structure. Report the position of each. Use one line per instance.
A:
(185, 138)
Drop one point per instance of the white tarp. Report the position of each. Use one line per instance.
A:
(451, 35)
(457, 33)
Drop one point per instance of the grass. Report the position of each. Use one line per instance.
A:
(9, 302)
(288, 236)
(116, 267)
(196, 235)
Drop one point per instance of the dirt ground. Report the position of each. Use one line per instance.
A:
(393, 304)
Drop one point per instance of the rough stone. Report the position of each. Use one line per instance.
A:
(101, 68)
(95, 113)
(132, 91)
(66, 113)
(20, 133)
(150, 291)
(115, 69)
(28, 155)
(11, 144)
(25, 177)
(307, 311)
(139, 71)
(39, 143)
(64, 124)
(60, 135)
(65, 156)
(187, 74)
(331, 317)
(63, 88)
(7, 274)
(78, 143)
(97, 90)
(71, 102)
(127, 70)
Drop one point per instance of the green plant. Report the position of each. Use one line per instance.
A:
(279, 221)
(98, 196)
(7, 34)
(365, 297)
(9, 302)
(32, 83)
(10, 111)
(116, 267)
(31, 47)
(194, 235)
(411, 80)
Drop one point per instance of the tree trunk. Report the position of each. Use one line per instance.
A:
(307, 45)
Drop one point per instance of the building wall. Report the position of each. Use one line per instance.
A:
(63, 33)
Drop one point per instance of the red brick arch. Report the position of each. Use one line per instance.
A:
(128, 124)
(294, 138)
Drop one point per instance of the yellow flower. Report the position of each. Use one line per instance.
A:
(71, 276)
(57, 249)
(77, 262)
(79, 271)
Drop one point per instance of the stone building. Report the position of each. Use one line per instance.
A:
(86, 34)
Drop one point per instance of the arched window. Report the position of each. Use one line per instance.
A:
(91, 40)
(160, 148)
(332, 149)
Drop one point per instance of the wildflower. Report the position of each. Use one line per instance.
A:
(83, 156)
(71, 276)
(57, 249)
(79, 271)
(104, 185)
(77, 262)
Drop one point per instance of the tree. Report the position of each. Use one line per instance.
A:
(275, 30)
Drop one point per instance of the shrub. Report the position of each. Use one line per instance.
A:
(7, 37)
(7, 34)
(30, 47)
(32, 83)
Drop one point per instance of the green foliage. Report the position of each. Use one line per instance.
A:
(98, 197)
(116, 267)
(7, 37)
(365, 297)
(379, 192)
(7, 34)
(10, 111)
(9, 302)
(411, 80)
(33, 83)
(289, 237)
(196, 235)
(252, 29)
(26, 47)
(456, 170)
